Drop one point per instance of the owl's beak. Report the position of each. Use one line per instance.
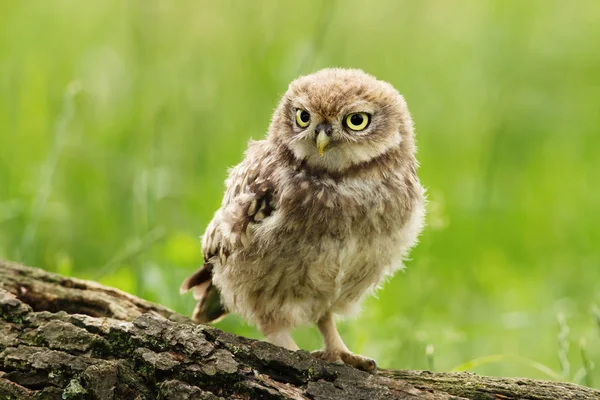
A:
(322, 141)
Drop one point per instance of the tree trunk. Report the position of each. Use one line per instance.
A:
(64, 338)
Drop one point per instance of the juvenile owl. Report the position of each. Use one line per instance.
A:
(317, 215)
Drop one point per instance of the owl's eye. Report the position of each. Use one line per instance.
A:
(302, 118)
(357, 121)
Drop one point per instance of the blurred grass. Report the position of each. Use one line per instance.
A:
(118, 121)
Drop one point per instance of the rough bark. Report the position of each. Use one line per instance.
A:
(63, 338)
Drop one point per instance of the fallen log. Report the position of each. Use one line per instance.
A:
(66, 338)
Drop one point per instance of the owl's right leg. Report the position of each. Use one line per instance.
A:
(280, 337)
(335, 348)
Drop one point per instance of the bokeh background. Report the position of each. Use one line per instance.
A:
(119, 119)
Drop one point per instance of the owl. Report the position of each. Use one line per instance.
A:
(317, 215)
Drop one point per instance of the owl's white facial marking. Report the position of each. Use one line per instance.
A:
(338, 157)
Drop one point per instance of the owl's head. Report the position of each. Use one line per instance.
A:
(338, 118)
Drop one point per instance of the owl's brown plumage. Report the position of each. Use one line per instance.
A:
(303, 236)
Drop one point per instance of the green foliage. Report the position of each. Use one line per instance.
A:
(118, 121)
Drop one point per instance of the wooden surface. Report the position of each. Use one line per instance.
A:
(64, 338)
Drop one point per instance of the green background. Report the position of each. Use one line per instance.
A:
(119, 119)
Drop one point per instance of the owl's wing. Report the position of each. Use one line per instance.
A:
(249, 198)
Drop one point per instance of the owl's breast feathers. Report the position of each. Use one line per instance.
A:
(377, 196)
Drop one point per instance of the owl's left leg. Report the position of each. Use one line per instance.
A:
(335, 349)
(280, 337)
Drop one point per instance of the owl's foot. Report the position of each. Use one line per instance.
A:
(347, 357)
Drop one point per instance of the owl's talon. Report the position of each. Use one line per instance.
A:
(355, 360)
(360, 362)
(327, 356)
(317, 354)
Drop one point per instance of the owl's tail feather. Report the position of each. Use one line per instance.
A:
(210, 307)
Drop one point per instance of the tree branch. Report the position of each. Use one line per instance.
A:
(66, 338)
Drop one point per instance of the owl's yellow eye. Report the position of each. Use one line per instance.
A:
(302, 118)
(357, 121)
